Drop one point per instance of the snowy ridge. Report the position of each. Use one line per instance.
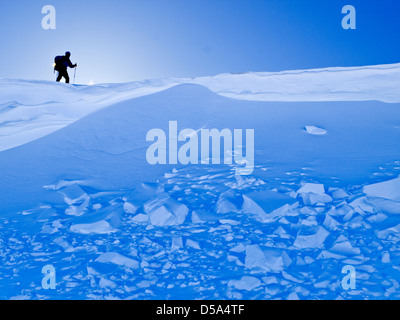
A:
(32, 109)
(379, 83)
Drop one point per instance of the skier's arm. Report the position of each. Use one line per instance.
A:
(71, 65)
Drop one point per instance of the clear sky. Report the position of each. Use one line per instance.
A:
(128, 40)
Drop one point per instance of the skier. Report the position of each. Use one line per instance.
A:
(61, 65)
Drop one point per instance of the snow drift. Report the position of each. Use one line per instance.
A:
(32, 109)
(77, 192)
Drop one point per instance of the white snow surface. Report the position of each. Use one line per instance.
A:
(32, 109)
(388, 190)
(76, 191)
(315, 130)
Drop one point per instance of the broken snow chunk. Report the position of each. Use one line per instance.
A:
(228, 202)
(270, 280)
(77, 199)
(263, 202)
(284, 221)
(363, 204)
(284, 211)
(63, 244)
(330, 255)
(358, 222)
(308, 211)
(315, 130)
(293, 296)
(339, 194)
(312, 241)
(105, 283)
(267, 260)
(49, 229)
(143, 284)
(282, 233)
(312, 188)
(192, 244)
(366, 268)
(97, 206)
(177, 243)
(343, 247)
(142, 194)
(229, 222)
(130, 208)
(246, 283)
(300, 261)
(385, 257)
(140, 218)
(195, 218)
(165, 211)
(380, 217)
(63, 184)
(315, 199)
(250, 206)
(349, 215)
(387, 232)
(238, 248)
(386, 205)
(330, 223)
(78, 211)
(387, 190)
(310, 221)
(74, 194)
(341, 210)
(308, 260)
(100, 227)
(118, 259)
(225, 206)
(292, 194)
(255, 258)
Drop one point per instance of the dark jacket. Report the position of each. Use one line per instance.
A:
(62, 63)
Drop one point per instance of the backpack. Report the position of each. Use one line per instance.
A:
(58, 62)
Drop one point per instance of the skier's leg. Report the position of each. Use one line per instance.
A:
(59, 76)
(66, 76)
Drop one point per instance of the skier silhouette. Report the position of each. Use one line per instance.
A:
(61, 65)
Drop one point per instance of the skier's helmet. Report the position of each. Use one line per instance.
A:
(68, 54)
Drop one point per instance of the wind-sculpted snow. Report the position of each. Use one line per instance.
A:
(32, 109)
(85, 200)
(379, 83)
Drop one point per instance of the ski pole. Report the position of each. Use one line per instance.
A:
(75, 73)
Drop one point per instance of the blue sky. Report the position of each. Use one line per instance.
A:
(127, 40)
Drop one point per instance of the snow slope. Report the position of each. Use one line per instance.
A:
(32, 109)
(324, 193)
